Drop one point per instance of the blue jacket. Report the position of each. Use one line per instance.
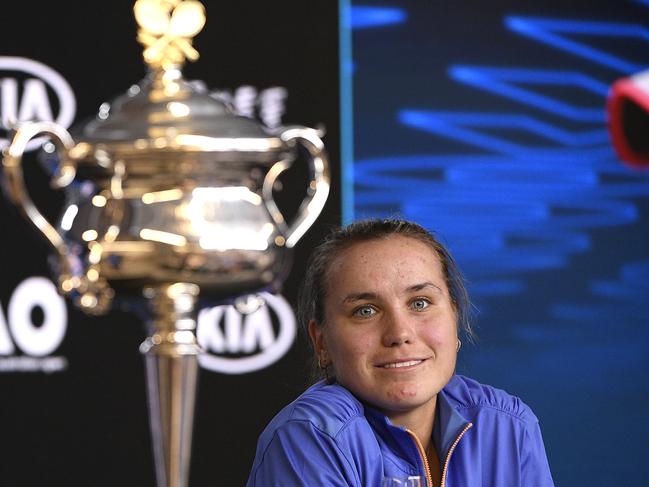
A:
(326, 437)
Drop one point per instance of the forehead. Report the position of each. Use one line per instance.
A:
(397, 259)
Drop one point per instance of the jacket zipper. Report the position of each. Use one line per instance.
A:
(422, 453)
(448, 456)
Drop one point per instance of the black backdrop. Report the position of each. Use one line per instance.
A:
(88, 424)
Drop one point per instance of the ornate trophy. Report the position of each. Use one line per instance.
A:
(170, 197)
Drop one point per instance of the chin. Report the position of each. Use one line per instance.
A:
(405, 399)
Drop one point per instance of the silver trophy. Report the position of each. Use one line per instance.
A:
(169, 195)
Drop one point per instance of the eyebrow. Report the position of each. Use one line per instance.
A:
(353, 297)
(350, 298)
(424, 285)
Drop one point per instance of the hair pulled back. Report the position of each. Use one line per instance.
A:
(314, 290)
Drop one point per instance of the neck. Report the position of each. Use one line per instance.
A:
(419, 421)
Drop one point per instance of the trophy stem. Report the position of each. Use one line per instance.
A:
(171, 363)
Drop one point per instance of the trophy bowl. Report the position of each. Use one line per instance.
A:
(168, 185)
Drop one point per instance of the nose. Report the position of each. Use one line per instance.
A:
(398, 329)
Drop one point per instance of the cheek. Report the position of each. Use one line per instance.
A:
(348, 346)
(440, 336)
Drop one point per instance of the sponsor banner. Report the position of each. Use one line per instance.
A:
(234, 343)
(33, 328)
(87, 371)
(32, 91)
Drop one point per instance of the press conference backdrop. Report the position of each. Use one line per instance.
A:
(485, 122)
(72, 390)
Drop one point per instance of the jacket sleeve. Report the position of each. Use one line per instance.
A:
(535, 470)
(299, 454)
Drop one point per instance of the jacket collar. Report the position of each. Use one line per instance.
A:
(447, 427)
(449, 423)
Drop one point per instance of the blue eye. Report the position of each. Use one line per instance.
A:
(364, 311)
(420, 304)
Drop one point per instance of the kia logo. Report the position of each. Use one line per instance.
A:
(237, 344)
(19, 332)
(24, 96)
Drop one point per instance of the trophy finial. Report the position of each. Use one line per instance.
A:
(167, 28)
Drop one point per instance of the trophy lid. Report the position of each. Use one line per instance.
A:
(165, 111)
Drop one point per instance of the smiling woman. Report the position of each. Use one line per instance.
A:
(384, 305)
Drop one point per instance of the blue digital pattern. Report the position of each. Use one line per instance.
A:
(507, 82)
(549, 227)
(542, 196)
(365, 17)
(557, 32)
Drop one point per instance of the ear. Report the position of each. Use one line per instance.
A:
(317, 338)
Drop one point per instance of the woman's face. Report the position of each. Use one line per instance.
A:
(390, 329)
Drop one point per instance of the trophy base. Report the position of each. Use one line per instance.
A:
(171, 361)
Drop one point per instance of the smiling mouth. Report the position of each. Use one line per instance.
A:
(398, 365)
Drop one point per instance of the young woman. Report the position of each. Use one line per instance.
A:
(384, 306)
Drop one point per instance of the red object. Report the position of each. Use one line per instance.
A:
(628, 119)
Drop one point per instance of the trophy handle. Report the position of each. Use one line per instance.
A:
(15, 182)
(317, 191)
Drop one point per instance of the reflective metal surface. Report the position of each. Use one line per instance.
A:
(168, 185)
(172, 370)
(183, 207)
(170, 192)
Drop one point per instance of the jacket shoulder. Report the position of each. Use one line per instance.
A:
(329, 408)
(466, 393)
(309, 441)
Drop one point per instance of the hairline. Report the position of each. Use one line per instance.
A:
(428, 241)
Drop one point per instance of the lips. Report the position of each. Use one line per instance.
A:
(398, 364)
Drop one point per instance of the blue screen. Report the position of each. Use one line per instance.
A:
(486, 123)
